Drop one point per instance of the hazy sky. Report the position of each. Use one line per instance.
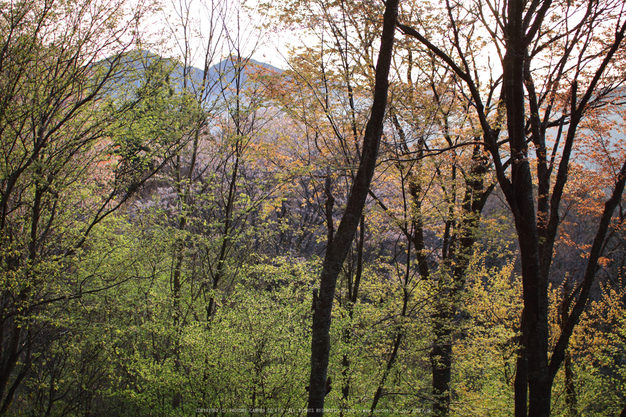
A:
(232, 26)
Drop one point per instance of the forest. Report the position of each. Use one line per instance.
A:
(420, 212)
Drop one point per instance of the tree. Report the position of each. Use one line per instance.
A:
(554, 69)
(338, 246)
(334, 75)
(438, 159)
(67, 163)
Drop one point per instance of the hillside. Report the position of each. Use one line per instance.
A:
(139, 65)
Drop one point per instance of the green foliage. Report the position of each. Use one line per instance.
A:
(597, 351)
(249, 355)
(485, 353)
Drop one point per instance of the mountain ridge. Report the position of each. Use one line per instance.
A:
(227, 69)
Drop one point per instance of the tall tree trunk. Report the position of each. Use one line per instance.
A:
(337, 250)
(522, 23)
(535, 317)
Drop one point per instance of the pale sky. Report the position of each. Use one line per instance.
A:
(265, 46)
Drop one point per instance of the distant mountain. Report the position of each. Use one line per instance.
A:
(229, 68)
(140, 64)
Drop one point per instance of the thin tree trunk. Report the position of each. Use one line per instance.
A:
(353, 295)
(570, 387)
(399, 335)
(390, 362)
(448, 300)
(337, 251)
(230, 201)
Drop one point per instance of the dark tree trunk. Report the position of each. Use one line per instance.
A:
(441, 361)
(448, 300)
(337, 250)
(535, 320)
(390, 362)
(537, 230)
